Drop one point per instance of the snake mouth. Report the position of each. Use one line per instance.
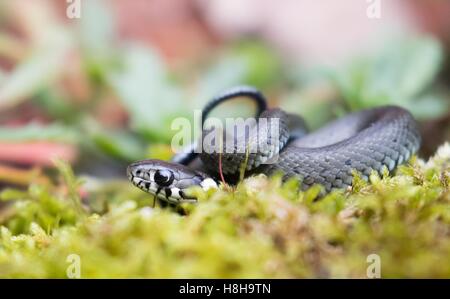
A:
(170, 194)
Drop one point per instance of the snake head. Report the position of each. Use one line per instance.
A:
(168, 181)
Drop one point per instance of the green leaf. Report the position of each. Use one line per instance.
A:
(246, 62)
(428, 106)
(72, 184)
(36, 71)
(34, 132)
(143, 87)
(263, 67)
(226, 72)
(396, 75)
(12, 194)
(96, 32)
(120, 145)
(96, 27)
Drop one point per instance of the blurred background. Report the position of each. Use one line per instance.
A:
(100, 91)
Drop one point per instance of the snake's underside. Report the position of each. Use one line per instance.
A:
(363, 141)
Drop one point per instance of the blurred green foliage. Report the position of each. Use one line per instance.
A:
(37, 70)
(405, 72)
(400, 74)
(144, 89)
(152, 94)
(263, 228)
(35, 132)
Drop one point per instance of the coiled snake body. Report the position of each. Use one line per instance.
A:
(363, 141)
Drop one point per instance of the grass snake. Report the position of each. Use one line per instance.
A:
(364, 141)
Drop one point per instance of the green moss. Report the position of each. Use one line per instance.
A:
(262, 228)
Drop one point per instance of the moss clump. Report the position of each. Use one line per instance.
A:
(263, 228)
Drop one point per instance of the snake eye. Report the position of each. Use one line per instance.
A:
(163, 177)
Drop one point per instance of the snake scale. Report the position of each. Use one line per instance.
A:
(364, 141)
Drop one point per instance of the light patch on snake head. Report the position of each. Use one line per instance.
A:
(208, 183)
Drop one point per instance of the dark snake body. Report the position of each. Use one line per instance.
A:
(363, 141)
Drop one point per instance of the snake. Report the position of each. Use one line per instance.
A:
(374, 139)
